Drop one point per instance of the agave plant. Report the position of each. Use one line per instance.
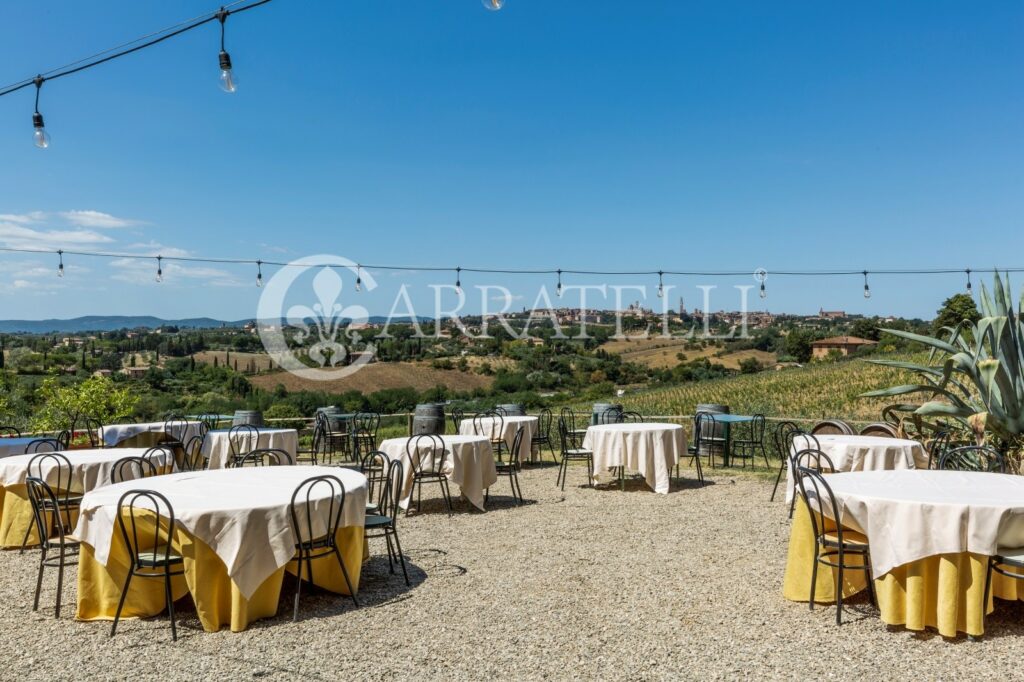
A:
(975, 372)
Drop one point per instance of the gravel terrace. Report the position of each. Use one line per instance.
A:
(581, 584)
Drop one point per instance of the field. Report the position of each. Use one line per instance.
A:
(813, 392)
(377, 376)
(260, 362)
(660, 353)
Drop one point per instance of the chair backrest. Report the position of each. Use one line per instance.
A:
(783, 437)
(631, 418)
(757, 428)
(208, 422)
(821, 503)
(52, 521)
(517, 442)
(243, 439)
(304, 520)
(175, 428)
(457, 416)
(61, 474)
(161, 456)
(799, 441)
(149, 527)
(93, 429)
(704, 428)
(811, 458)
(544, 419)
(937, 447)
(490, 424)
(193, 459)
(973, 458)
(265, 457)
(131, 468)
(391, 490)
(569, 417)
(366, 424)
(9, 431)
(612, 415)
(426, 454)
(374, 466)
(64, 438)
(43, 445)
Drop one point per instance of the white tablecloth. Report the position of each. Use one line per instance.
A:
(911, 515)
(862, 453)
(509, 425)
(241, 514)
(112, 434)
(89, 468)
(651, 450)
(470, 465)
(217, 446)
(14, 446)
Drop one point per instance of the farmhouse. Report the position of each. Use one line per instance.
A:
(843, 344)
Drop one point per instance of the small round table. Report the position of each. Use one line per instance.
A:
(650, 450)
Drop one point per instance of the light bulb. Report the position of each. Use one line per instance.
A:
(40, 137)
(867, 291)
(558, 289)
(60, 267)
(159, 275)
(259, 280)
(228, 79)
(763, 294)
(493, 5)
(359, 284)
(661, 291)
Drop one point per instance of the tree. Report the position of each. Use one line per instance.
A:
(750, 366)
(96, 397)
(866, 329)
(798, 345)
(955, 310)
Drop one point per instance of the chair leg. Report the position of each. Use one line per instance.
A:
(391, 553)
(298, 589)
(814, 576)
(778, 479)
(344, 572)
(60, 582)
(120, 603)
(401, 556)
(447, 495)
(564, 471)
(39, 579)
(170, 603)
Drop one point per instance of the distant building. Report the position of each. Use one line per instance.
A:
(135, 372)
(843, 344)
(831, 314)
(102, 373)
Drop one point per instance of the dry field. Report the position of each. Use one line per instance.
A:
(261, 362)
(585, 584)
(662, 353)
(377, 376)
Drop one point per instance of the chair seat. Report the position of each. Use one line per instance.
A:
(505, 465)
(151, 559)
(377, 520)
(578, 453)
(851, 539)
(371, 508)
(1012, 556)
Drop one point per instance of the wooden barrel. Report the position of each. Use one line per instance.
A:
(511, 410)
(428, 418)
(252, 417)
(833, 426)
(880, 429)
(713, 438)
(597, 414)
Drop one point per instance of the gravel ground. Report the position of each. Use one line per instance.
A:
(586, 583)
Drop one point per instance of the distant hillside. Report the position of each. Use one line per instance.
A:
(100, 323)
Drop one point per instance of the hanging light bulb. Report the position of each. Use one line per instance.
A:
(558, 289)
(661, 285)
(40, 137)
(60, 266)
(493, 5)
(458, 281)
(259, 274)
(969, 292)
(228, 79)
(763, 293)
(760, 275)
(359, 279)
(159, 269)
(867, 289)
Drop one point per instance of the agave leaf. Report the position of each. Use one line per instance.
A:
(932, 342)
(906, 389)
(935, 408)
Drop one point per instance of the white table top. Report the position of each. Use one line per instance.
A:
(89, 468)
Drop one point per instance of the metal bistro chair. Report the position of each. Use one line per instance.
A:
(569, 416)
(310, 541)
(1008, 561)
(43, 445)
(67, 501)
(783, 438)
(364, 432)
(572, 450)
(938, 446)
(149, 543)
(831, 547)
(811, 458)
(94, 431)
(747, 448)
(374, 466)
(613, 415)
(175, 429)
(492, 426)
(543, 434)
(162, 457)
(973, 458)
(208, 422)
(457, 416)
(427, 455)
(9, 432)
(631, 418)
(243, 439)
(510, 469)
(131, 468)
(318, 448)
(383, 521)
(54, 529)
(694, 449)
(64, 438)
(194, 459)
(265, 457)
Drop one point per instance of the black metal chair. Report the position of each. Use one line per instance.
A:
(695, 448)
(1008, 561)
(831, 547)
(162, 457)
(748, 447)
(64, 438)
(374, 466)
(43, 445)
(193, 458)
(783, 438)
(9, 432)
(208, 422)
(938, 447)
(61, 476)
(628, 417)
(94, 431)
(383, 521)
(364, 432)
(613, 415)
(572, 451)
(317, 539)
(149, 543)
(973, 458)
(318, 447)
(53, 524)
(511, 469)
(243, 439)
(543, 434)
(457, 416)
(427, 455)
(132, 468)
(491, 425)
(336, 440)
(264, 457)
(175, 429)
(569, 417)
(810, 458)
(713, 441)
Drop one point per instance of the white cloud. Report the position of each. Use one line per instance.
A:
(17, 236)
(96, 219)
(22, 218)
(143, 271)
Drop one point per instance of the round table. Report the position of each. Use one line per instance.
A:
(470, 465)
(930, 533)
(862, 453)
(235, 532)
(217, 444)
(15, 446)
(509, 426)
(651, 450)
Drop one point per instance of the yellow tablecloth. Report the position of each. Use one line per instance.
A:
(218, 600)
(944, 592)
(16, 517)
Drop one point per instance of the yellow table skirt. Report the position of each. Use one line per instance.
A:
(944, 592)
(218, 600)
(16, 518)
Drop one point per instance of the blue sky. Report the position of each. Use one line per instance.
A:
(596, 135)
